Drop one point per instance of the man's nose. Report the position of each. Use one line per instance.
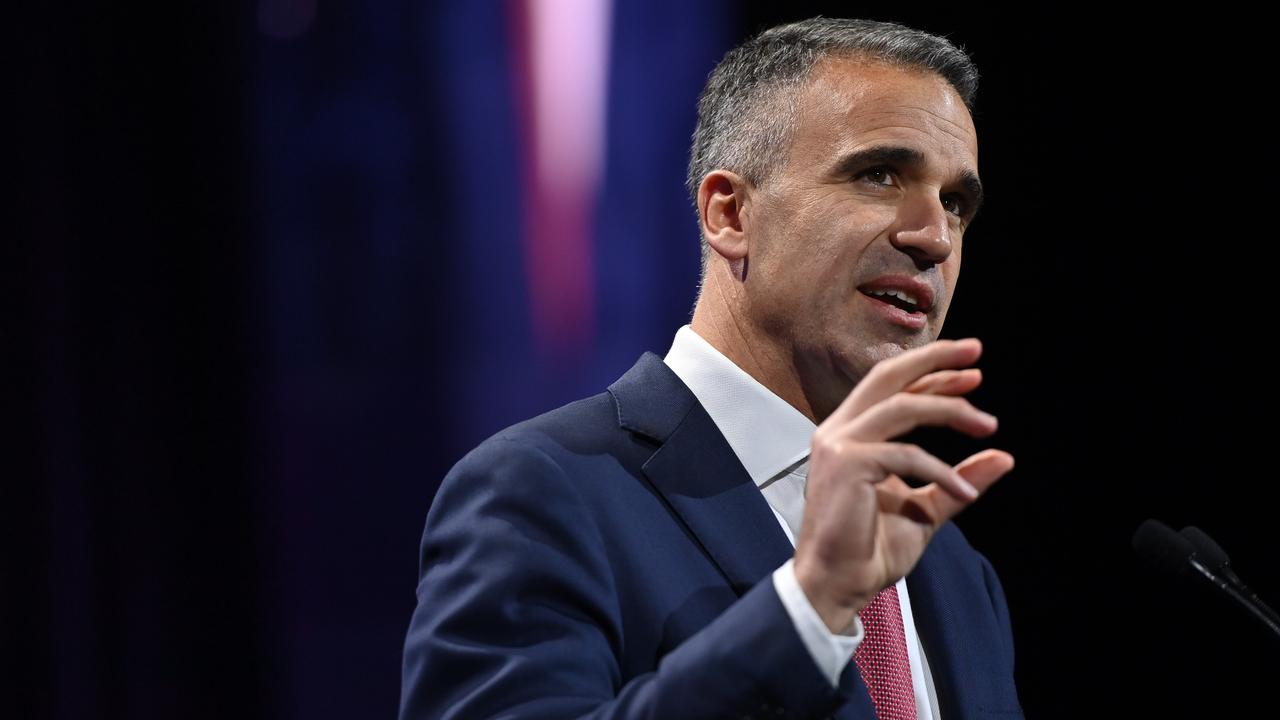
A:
(924, 231)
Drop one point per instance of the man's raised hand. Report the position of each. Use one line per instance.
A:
(864, 527)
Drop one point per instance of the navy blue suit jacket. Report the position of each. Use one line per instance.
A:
(612, 559)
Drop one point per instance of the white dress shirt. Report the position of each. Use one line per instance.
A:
(771, 439)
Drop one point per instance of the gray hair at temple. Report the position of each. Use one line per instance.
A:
(746, 112)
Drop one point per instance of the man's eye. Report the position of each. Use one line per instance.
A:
(879, 175)
(953, 204)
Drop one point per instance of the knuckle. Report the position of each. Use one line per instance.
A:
(911, 452)
(899, 401)
(826, 446)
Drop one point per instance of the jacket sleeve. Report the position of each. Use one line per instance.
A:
(518, 616)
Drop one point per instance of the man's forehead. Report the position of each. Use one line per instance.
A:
(873, 102)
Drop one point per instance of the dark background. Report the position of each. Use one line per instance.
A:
(264, 286)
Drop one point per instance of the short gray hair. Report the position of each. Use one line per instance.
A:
(746, 112)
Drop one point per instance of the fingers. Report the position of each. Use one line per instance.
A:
(947, 382)
(919, 387)
(981, 470)
(891, 376)
(898, 460)
(904, 412)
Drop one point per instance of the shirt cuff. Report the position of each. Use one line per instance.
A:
(831, 651)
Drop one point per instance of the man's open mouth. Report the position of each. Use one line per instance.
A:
(897, 298)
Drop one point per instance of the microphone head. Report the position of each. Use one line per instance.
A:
(1162, 548)
(1208, 551)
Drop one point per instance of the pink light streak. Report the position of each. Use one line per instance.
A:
(562, 56)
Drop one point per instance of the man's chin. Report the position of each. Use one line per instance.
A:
(879, 352)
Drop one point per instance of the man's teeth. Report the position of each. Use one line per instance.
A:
(898, 294)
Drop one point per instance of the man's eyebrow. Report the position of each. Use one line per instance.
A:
(908, 157)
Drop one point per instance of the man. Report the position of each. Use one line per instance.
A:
(725, 532)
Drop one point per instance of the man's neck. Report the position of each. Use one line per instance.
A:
(757, 356)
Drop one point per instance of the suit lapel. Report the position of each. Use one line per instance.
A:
(697, 473)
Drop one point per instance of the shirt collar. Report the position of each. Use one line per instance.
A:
(766, 433)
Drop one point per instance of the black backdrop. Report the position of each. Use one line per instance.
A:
(159, 562)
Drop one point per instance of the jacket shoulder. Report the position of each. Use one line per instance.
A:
(585, 426)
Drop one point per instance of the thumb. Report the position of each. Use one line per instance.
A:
(982, 470)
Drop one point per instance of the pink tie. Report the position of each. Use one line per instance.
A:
(882, 658)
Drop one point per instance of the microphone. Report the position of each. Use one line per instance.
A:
(1166, 550)
(1210, 553)
(1178, 554)
(1215, 558)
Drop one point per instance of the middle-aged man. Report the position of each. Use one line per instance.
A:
(725, 531)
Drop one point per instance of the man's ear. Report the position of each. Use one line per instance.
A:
(722, 197)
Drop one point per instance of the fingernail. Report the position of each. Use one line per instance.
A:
(965, 487)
